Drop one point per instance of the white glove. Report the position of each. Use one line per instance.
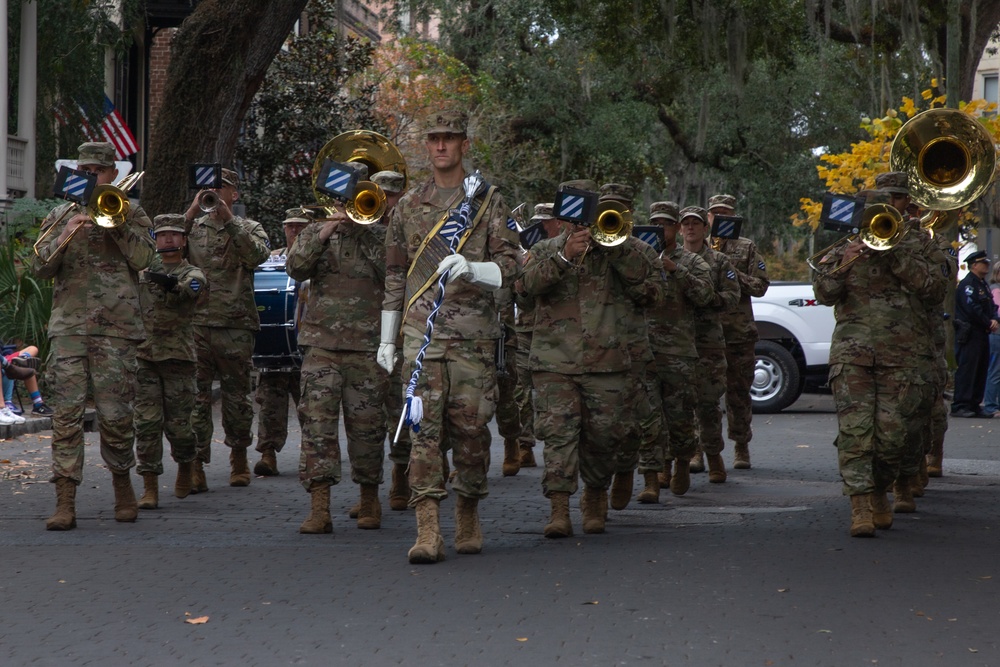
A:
(481, 274)
(386, 355)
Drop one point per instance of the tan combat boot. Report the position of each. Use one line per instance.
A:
(594, 505)
(399, 492)
(650, 494)
(881, 510)
(511, 457)
(370, 510)
(664, 477)
(935, 460)
(150, 491)
(681, 481)
(183, 486)
(355, 509)
(198, 482)
(903, 496)
(65, 515)
(741, 456)
(861, 516)
(126, 509)
(239, 474)
(621, 489)
(468, 531)
(268, 464)
(559, 524)
(716, 468)
(528, 457)
(697, 463)
(318, 521)
(429, 547)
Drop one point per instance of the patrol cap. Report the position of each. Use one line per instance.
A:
(169, 222)
(445, 121)
(100, 153)
(542, 212)
(722, 201)
(978, 256)
(230, 177)
(392, 182)
(617, 192)
(580, 184)
(694, 212)
(873, 197)
(663, 210)
(893, 181)
(297, 215)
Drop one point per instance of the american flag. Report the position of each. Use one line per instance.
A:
(112, 128)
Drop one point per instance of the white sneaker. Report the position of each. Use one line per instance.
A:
(8, 417)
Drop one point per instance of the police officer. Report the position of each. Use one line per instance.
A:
(975, 320)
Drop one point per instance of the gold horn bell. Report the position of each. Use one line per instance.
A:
(375, 152)
(881, 229)
(613, 225)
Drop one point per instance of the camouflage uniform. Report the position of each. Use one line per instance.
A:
(579, 359)
(94, 329)
(225, 323)
(458, 380)
(877, 382)
(340, 337)
(165, 384)
(508, 415)
(524, 325)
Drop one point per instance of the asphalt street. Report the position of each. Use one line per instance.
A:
(759, 571)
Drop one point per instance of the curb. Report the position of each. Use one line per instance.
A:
(38, 424)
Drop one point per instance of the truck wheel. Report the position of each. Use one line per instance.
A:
(777, 382)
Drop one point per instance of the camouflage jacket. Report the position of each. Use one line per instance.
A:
(751, 273)
(468, 311)
(578, 308)
(346, 286)
(688, 287)
(228, 254)
(95, 289)
(878, 303)
(504, 298)
(168, 315)
(643, 297)
(709, 334)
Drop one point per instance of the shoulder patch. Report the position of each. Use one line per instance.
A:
(761, 265)
(731, 274)
(195, 285)
(968, 290)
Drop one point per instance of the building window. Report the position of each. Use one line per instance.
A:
(990, 88)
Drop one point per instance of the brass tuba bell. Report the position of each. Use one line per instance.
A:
(375, 152)
(613, 225)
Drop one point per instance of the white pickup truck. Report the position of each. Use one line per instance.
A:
(793, 352)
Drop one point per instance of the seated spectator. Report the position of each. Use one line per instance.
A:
(31, 383)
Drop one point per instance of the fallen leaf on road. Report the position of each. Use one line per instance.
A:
(829, 632)
(952, 619)
(197, 621)
(986, 577)
(973, 650)
(782, 590)
(522, 639)
(591, 602)
(802, 446)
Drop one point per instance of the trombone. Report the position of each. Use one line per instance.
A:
(108, 207)
(881, 229)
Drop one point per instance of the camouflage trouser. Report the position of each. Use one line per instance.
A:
(579, 419)
(740, 362)
(522, 394)
(356, 380)
(508, 412)
(644, 415)
(673, 386)
(164, 401)
(399, 452)
(106, 366)
(273, 392)
(930, 421)
(223, 354)
(458, 389)
(710, 385)
(877, 416)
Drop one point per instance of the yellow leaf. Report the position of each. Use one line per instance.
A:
(522, 639)
(197, 621)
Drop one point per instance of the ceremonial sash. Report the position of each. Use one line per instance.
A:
(437, 245)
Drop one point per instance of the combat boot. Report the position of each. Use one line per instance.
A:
(183, 486)
(65, 515)
(199, 484)
(921, 480)
(861, 516)
(126, 509)
(511, 457)
(594, 505)
(399, 492)
(355, 509)
(716, 469)
(468, 531)
(697, 462)
(881, 510)
(528, 457)
(268, 464)
(903, 502)
(150, 491)
(429, 547)
(741, 456)
(935, 460)
(621, 489)
(650, 494)
(370, 510)
(664, 477)
(681, 481)
(559, 524)
(318, 521)
(239, 474)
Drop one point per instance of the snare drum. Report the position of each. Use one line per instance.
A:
(274, 292)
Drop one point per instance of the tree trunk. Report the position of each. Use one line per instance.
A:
(218, 60)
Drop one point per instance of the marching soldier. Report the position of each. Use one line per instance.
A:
(165, 384)
(227, 248)
(94, 329)
(508, 415)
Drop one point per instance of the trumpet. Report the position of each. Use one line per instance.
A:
(612, 227)
(208, 201)
(108, 207)
(881, 229)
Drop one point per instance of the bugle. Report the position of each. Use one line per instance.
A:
(208, 201)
